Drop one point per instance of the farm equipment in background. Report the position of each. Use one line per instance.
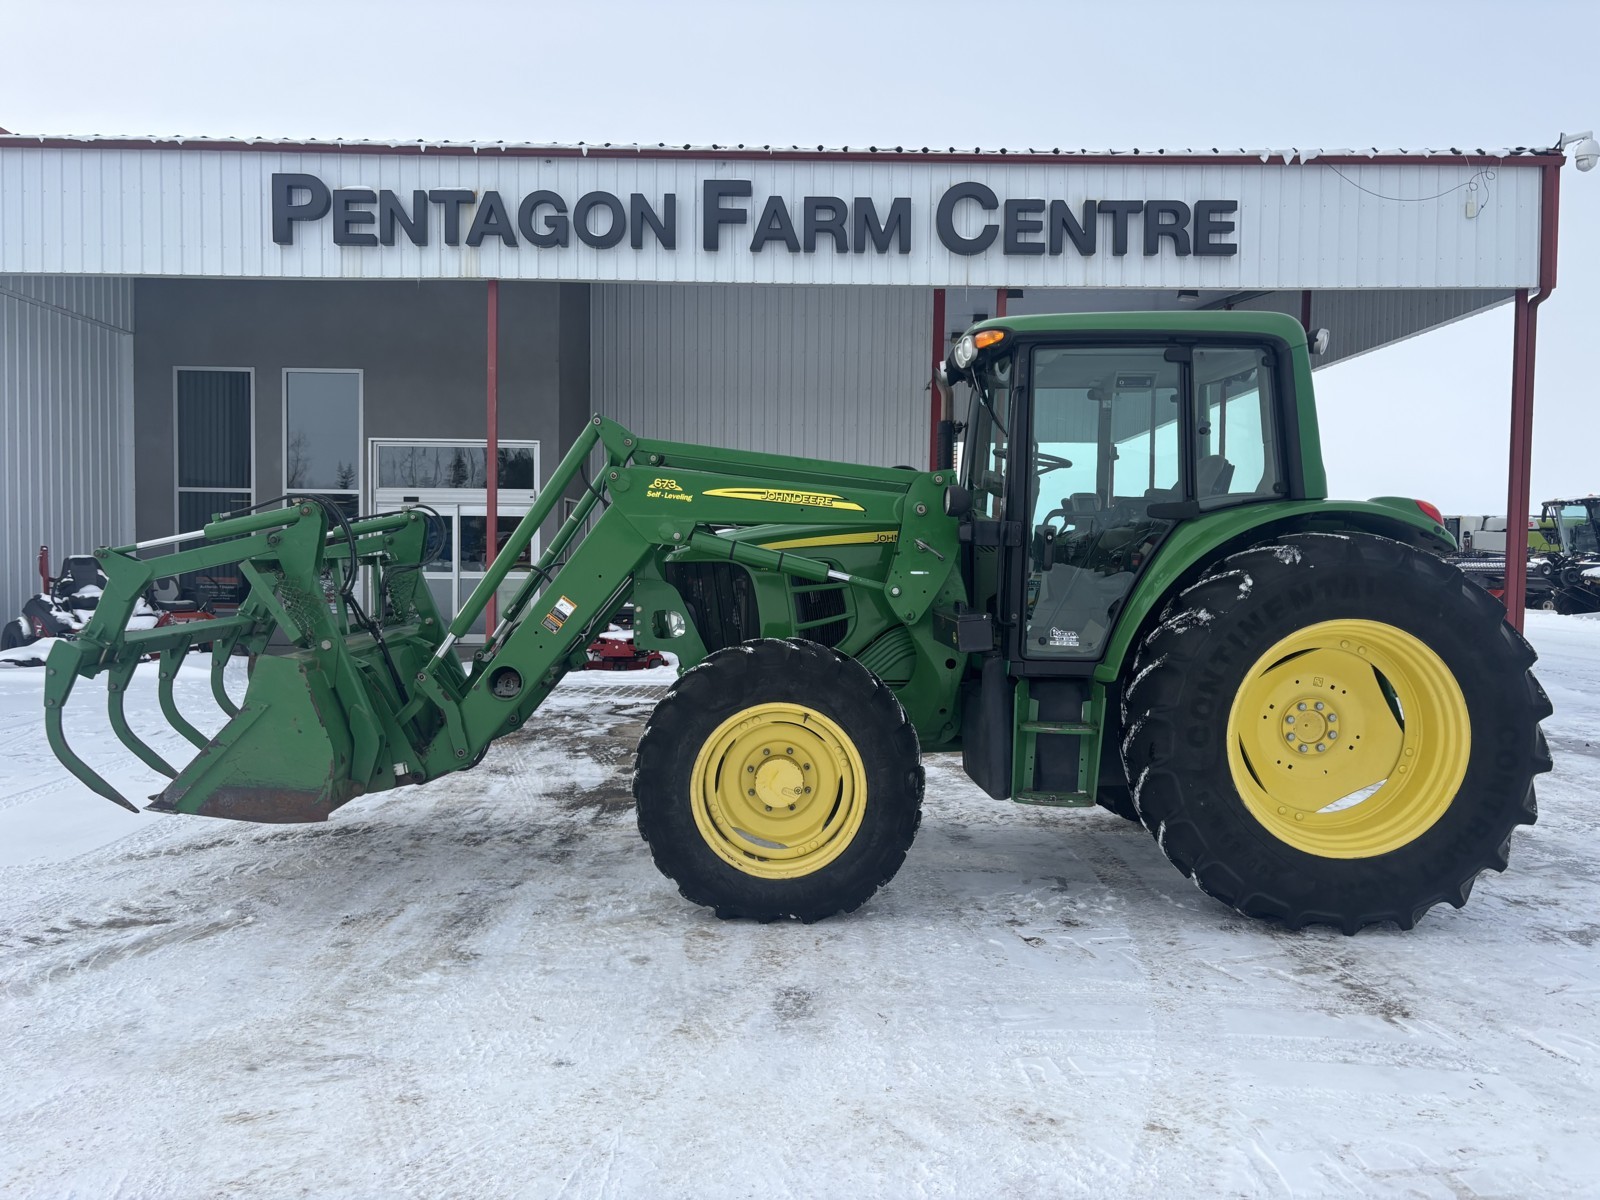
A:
(615, 649)
(1134, 593)
(1563, 555)
(1571, 568)
(66, 603)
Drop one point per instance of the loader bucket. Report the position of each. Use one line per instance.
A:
(324, 719)
(281, 759)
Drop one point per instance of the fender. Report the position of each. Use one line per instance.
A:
(1196, 543)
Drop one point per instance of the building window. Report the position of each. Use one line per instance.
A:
(213, 418)
(322, 435)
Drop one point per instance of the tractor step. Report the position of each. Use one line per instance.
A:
(1066, 729)
(1056, 799)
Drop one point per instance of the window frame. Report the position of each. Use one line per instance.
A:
(178, 488)
(360, 490)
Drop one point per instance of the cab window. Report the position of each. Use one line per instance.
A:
(1107, 445)
(983, 451)
(1235, 432)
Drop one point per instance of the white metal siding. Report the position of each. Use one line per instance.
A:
(826, 372)
(208, 213)
(66, 423)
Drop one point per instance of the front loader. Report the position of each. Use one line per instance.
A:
(1133, 592)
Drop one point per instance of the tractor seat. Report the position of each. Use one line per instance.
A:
(1212, 476)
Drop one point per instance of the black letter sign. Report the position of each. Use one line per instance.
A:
(1207, 226)
(492, 221)
(1155, 228)
(713, 216)
(346, 217)
(285, 212)
(580, 220)
(944, 218)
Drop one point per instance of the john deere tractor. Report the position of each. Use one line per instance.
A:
(1132, 591)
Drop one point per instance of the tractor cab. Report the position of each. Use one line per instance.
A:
(1573, 526)
(1083, 452)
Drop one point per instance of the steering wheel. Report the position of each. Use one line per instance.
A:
(1052, 462)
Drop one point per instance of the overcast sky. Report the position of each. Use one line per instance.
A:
(1428, 417)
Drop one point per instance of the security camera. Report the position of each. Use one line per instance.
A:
(1585, 150)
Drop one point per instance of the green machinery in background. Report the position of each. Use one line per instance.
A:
(1132, 591)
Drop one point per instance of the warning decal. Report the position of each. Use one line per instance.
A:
(557, 616)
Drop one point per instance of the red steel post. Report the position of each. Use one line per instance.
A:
(1000, 302)
(935, 402)
(1525, 340)
(491, 523)
(1517, 484)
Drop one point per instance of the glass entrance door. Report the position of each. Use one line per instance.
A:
(449, 477)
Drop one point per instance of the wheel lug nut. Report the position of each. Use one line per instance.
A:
(752, 770)
(1332, 733)
(790, 750)
(1319, 705)
(1288, 720)
(1320, 747)
(750, 792)
(766, 752)
(768, 807)
(1301, 706)
(1304, 748)
(791, 807)
(1333, 716)
(1288, 737)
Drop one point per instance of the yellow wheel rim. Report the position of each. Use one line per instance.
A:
(779, 791)
(1348, 739)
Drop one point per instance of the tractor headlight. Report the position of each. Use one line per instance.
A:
(967, 348)
(669, 624)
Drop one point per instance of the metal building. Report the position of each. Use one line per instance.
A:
(187, 326)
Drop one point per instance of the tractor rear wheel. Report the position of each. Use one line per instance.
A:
(779, 780)
(1335, 728)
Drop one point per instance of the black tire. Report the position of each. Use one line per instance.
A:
(14, 635)
(1188, 671)
(777, 672)
(1118, 798)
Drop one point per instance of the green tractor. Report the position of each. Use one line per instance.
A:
(1132, 591)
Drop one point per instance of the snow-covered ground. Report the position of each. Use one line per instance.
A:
(483, 988)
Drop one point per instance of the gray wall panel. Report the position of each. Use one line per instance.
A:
(65, 385)
(827, 372)
(422, 348)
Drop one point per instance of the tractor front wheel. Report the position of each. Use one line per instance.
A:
(779, 779)
(1335, 728)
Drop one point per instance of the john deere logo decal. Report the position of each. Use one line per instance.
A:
(779, 496)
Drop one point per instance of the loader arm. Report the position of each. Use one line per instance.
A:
(362, 705)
